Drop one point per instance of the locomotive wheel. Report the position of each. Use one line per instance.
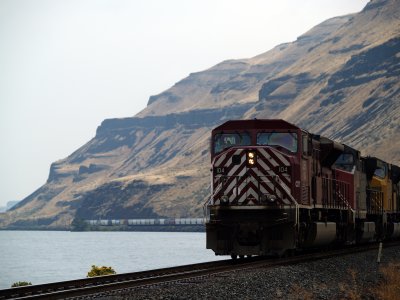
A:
(241, 256)
(234, 256)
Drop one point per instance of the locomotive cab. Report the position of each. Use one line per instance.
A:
(255, 182)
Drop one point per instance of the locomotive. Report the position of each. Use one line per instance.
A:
(276, 188)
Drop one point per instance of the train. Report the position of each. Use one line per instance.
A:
(277, 189)
(142, 222)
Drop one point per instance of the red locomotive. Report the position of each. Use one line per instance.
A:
(277, 188)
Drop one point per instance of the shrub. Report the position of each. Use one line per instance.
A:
(21, 283)
(100, 271)
(79, 224)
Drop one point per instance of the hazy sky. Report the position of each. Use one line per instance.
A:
(66, 65)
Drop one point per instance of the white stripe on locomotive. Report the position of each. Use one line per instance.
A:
(220, 160)
(268, 157)
(282, 158)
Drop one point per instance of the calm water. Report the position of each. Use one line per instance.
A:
(49, 256)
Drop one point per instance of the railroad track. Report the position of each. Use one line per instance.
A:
(102, 284)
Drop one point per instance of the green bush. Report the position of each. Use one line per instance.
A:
(100, 271)
(79, 224)
(21, 283)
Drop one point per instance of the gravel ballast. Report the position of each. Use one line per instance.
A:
(333, 278)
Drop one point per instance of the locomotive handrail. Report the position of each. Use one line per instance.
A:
(205, 213)
(347, 204)
(206, 203)
(292, 199)
(333, 192)
(375, 201)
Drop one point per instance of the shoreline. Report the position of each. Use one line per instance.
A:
(138, 228)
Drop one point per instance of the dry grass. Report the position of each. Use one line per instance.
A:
(389, 288)
(300, 293)
(352, 290)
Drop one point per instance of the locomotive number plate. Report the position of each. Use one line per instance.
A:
(219, 171)
(282, 169)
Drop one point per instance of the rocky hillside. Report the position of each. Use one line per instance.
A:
(340, 79)
(348, 86)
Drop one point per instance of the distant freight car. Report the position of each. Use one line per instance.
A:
(115, 222)
(105, 222)
(149, 222)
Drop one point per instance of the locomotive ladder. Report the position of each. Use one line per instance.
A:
(334, 194)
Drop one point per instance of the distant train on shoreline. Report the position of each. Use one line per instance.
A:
(148, 222)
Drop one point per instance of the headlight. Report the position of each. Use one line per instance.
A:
(251, 158)
(224, 199)
(266, 198)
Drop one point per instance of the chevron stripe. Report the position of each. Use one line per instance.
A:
(279, 157)
(268, 157)
(274, 157)
(230, 188)
(265, 167)
(230, 183)
(234, 169)
(228, 163)
(262, 186)
(281, 188)
(244, 185)
(269, 184)
(251, 190)
(220, 160)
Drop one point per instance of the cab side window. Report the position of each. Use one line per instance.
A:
(305, 144)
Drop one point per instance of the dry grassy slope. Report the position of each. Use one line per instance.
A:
(133, 168)
(236, 81)
(347, 87)
(157, 181)
(68, 187)
(340, 79)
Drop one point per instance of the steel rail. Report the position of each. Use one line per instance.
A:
(28, 291)
(95, 285)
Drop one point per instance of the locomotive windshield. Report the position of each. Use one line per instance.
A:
(345, 162)
(380, 172)
(287, 140)
(226, 140)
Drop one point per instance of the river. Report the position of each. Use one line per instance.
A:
(50, 256)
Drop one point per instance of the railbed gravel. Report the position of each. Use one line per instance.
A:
(331, 278)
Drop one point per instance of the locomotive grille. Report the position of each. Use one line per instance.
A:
(238, 182)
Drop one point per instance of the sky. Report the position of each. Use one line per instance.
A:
(66, 65)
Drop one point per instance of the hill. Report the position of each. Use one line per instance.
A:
(340, 79)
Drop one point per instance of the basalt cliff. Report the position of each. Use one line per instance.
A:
(341, 79)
